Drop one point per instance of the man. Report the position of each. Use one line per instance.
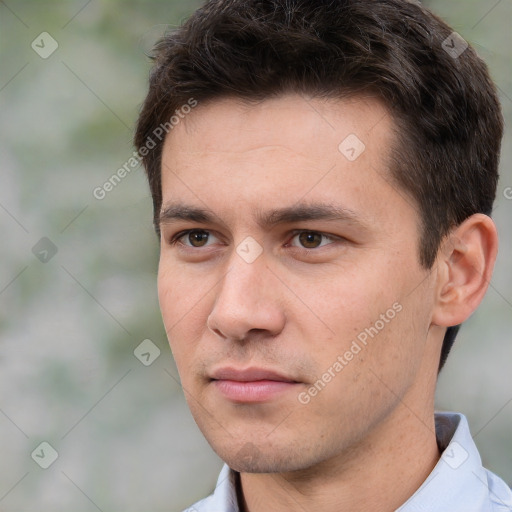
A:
(322, 176)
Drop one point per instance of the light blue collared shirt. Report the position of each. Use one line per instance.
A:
(458, 483)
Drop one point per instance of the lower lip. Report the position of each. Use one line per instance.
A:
(254, 391)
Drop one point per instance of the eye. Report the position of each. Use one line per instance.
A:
(312, 239)
(196, 238)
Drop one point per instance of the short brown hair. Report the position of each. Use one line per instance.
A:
(444, 103)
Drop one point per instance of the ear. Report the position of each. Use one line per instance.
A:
(464, 268)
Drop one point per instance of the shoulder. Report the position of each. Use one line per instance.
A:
(500, 494)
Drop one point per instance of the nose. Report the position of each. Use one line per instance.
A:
(246, 302)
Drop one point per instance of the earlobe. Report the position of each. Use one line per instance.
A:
(465, 264)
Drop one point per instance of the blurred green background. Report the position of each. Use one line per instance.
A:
(69, 325)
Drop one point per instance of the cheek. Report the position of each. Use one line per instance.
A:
(179, 294)
(344, 302)
(366, 316)
(167, 286)
(182, 312)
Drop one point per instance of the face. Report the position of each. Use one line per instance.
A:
(295, 305)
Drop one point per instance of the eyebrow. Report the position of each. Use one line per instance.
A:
(296, 213)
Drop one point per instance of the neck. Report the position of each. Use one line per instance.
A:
(380, 472)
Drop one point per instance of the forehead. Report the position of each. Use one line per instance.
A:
(292, 121)
(229, 154)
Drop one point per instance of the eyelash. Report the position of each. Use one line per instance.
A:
(175, 239)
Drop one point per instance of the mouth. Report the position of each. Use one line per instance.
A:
(251, 385)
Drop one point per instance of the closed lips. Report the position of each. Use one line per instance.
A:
(249, 375)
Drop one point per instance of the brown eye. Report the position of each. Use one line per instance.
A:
(197, 238)
(193, 239)
(310, 239)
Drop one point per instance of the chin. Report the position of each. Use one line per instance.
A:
(266, 458)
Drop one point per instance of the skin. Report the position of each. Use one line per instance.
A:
(366, 441)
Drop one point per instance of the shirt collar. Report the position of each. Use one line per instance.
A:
(457, 483)
(224, 498)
